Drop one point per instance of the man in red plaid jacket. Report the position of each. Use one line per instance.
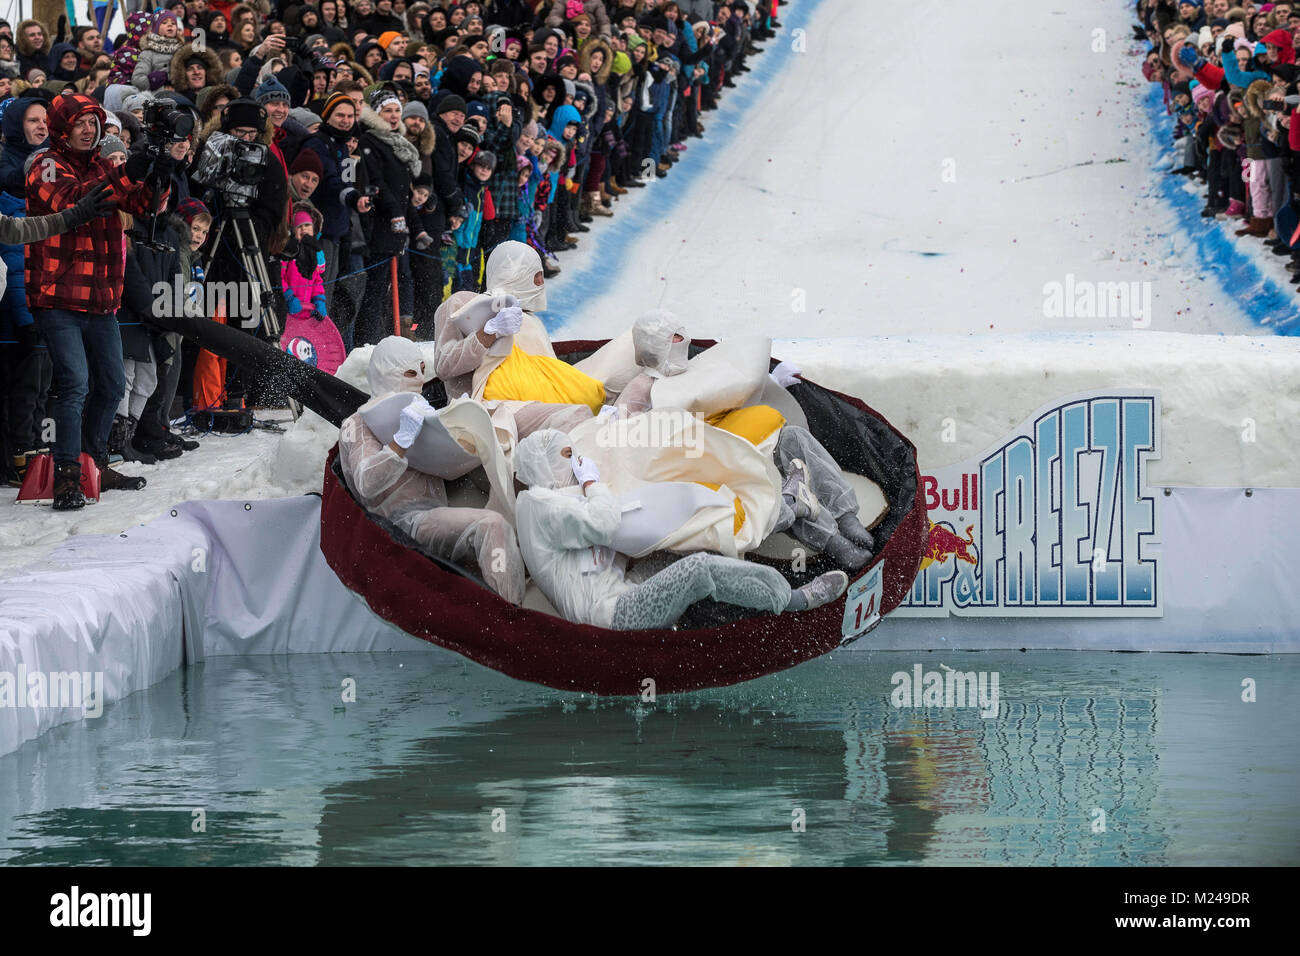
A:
(74, 287)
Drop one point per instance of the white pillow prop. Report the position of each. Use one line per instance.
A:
(474, 314)
(613, 364)
(434, 451)
(653, 511)
(718, 379)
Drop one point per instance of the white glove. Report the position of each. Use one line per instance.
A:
(506, 322)
(585, 470)
(504, 301)
(609, 412)
(786, 374)
(411, 421)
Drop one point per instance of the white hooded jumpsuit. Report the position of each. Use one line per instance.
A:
(564, 537)
(510, 270)
(415, 502)
(655, 351)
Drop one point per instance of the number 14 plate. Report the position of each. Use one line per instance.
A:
(862, 605)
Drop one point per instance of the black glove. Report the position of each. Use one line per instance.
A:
(98, 202)
(137, 166)
(163, 166)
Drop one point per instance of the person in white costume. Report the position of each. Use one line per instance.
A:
(513, 268)
(415, 502)
(818, 507)
(567, 519)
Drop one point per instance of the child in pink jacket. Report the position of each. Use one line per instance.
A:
(308, 333)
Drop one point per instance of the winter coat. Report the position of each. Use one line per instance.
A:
(145, 269)
(391, 162)
(13, 202)
(446, 175)
(335, 197)
(481, 209)
(424, 144)
(211, 66)
(500, 139)
(81, 269)
(156, 54)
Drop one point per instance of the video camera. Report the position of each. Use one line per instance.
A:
(232, 167)
(165, 123)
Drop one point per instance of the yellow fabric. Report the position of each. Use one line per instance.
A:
(538, 378)
(740, 508)
(753, 423)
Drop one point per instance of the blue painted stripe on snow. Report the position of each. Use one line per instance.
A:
(614, 243)
(1265, 301)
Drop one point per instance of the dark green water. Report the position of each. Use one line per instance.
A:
(435, 749)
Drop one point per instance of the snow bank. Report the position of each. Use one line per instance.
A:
(1231, 404)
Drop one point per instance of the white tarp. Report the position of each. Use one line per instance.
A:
(229, 578)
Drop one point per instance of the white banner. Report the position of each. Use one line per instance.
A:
(1056, 521)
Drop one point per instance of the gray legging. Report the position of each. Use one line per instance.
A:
(662, 598)
(828, 484)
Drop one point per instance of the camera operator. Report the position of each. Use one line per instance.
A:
(74, 287)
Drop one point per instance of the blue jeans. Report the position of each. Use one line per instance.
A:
(87, 353)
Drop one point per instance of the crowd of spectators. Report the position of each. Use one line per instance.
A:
(419, 135)
(1230, 78)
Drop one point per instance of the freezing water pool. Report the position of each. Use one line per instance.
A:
(1095, 758)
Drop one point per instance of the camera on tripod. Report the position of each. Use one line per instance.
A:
(233, 167)
(165, 124)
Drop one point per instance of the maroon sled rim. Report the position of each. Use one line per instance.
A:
(426, 600)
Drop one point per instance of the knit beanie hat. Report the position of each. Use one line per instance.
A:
(304, 116)
(271, 91)
(334, 101)
(452, 103)
(415, 108)
(187, 209)
(484, 157)
(111, 144)
(307, 162)
(387, 38)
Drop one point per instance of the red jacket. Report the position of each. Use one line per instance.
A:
(81, 269)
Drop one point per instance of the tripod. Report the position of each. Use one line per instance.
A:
(250, 258)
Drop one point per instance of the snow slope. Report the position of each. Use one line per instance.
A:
(914, 172)
(823, 176)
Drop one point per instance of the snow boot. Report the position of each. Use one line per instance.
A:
(110, 480)
(176, 441)
(594, 205)
(1257, 226)
(157, 447)
(1236, 210)
(117, 435)
(820, 590)
(616, 190)
(130, 450)
(67, 487)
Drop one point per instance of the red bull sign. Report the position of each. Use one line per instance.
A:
(1055, 521)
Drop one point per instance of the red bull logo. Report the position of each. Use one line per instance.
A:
(944, 541)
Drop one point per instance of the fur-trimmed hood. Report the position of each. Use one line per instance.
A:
(1255, 94)
(584, 59)
(402, 148)
(425, 142)
(211, 62)
(593, 104)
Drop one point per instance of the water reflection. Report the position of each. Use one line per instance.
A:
(440, 761)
